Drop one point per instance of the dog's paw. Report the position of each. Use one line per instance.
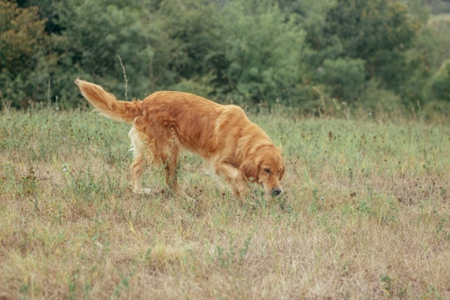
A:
(144, 191)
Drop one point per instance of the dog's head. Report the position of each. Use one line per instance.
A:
(266, 167)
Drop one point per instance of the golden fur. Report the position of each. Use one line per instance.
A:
(166, 123)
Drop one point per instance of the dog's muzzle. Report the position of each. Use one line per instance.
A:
(276, 191)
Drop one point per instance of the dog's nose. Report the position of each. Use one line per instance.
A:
(276, 191)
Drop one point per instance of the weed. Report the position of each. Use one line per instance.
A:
(227, 257)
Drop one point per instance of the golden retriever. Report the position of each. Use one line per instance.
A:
(166, 123)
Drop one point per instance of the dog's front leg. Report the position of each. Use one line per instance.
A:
(172, 180)
(170, 160)
(234, 178)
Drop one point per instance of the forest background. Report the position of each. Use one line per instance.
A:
(377, 54)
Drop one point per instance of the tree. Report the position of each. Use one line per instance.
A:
(25, 55)
(97, 33)
(439, 86)
(261, 52)
(189, 39)
(344, 76)
(376, 31)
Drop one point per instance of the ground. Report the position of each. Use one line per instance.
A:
(365, 215)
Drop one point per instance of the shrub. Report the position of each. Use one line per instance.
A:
(25, 59)
(261, 51)
(439, 87)
(344, 76)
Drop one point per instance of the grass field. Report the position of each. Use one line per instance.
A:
(366, 215)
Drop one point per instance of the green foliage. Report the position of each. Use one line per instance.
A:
(189, 39)
(261, 52)
(440, 83)
(374, 99)
(426, 58)
(25, 54)
(378, 32)
(21, 32)
(434, 42)
(98, 33)
(344, 76)
(255, 52)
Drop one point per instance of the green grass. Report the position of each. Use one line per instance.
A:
(366, 215)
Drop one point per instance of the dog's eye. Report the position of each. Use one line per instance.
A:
(267, 170)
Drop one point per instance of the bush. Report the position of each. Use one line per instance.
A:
(244, 51)
(344, 77)
(26, 62)
(261, 52)
(439, 86)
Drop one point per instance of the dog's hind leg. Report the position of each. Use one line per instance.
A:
(141, 161)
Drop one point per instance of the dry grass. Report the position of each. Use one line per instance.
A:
(366, 215)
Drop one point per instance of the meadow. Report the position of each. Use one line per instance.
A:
(365, 214)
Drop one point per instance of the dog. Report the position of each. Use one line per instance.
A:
(169, 122)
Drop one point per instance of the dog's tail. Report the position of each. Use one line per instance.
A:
(107, 105)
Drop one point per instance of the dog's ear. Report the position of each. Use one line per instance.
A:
(282, 172)
(250, 169)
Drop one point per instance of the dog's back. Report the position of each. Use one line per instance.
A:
(196, 122)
